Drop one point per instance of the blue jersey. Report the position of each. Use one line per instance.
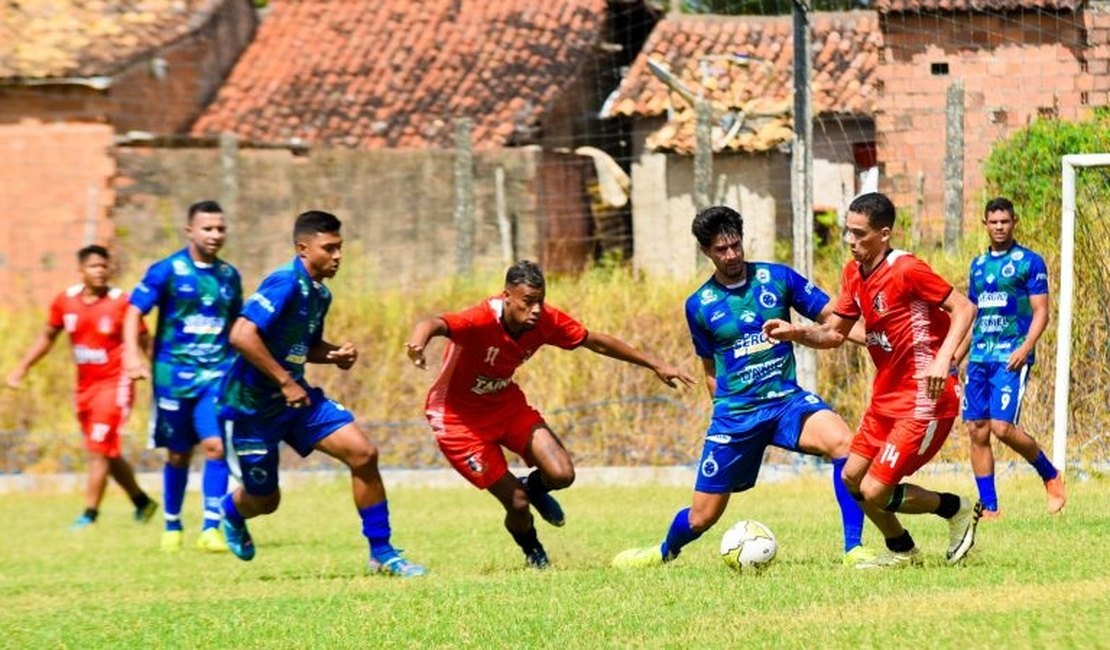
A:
(288, 309)
(1000, 285)
(196, 305)
(726, 325)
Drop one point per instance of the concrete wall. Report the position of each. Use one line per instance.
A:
(1015, 67)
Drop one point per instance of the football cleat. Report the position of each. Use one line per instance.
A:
(961, 530)
(172, 541)
(395, 564)
(1057, 496)
(546, 506)
(636, 558)
(238, 539)
(146, 513)
(211, 541)
(891, 560)
(82, 522)
(537, 558)
(858, 554)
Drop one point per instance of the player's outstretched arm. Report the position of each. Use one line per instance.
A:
(133, 363)
(831, 333)
(38, 350)
(247, 341)
(611, 346)
(423, 332)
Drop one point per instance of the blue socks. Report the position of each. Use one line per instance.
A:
(679, 535)
(375, 527)
(987, 492)
(227, 507)
(851, 514)
(1044, 467)
(214, 486)
(174, 480)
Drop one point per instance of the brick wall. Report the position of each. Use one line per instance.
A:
(55, 195)
(1015, 67)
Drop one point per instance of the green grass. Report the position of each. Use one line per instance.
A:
(1031, 581)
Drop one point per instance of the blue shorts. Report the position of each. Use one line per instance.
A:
(993, 392)
(179, 423)
(251, 443)
(730, 461)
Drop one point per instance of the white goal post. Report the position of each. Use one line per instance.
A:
(1067, 295)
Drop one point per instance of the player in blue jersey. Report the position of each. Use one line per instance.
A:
(1009, 284)
(756, 399)
(198, 295)
(265, 399)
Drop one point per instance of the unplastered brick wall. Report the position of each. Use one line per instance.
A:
(54, 197)
(1014, 67)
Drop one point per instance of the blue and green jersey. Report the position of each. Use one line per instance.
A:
(1000, 285)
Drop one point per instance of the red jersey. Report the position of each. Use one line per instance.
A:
(900, 304)
(95, 332)
(481, 356)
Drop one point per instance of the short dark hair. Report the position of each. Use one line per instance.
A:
(525, 272)
(315, 221)
(206, 206)
(716, 220)
(1000, 203)
(88, 251)
(877, 207)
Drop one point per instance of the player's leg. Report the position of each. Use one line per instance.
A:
(510, 491)
(554, 470)
(825, 433)
(1005, 414)
(115, 412)
(252, 455)
(173, 430)
(215, 475)
(332, 430)
(977, 400)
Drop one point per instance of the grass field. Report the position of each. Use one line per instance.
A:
(1031, 581)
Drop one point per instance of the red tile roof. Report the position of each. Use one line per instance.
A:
(43, 39)
(747, 63)
(922, 6)
(395, 73)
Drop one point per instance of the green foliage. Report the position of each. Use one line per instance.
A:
(1030, 581)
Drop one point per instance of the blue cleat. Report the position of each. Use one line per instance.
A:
(545, 505)
(238, 539)
(82, 522)
(395, 564)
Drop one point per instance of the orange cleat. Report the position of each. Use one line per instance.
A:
(1057, 496)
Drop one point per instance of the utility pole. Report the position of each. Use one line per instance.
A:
(801, 186)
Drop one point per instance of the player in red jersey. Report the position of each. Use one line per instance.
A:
(915, 323)
(475, 408)
(92, 314)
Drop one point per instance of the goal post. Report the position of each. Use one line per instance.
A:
(1067, 295)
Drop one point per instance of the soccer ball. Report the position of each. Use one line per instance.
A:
(748, 546)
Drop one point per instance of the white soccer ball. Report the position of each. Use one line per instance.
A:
(748, 546)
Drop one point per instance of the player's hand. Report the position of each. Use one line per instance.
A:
(15, 378)
(136, 370)
(416, 355)
(344, 356)
(671, 375)
(936, 378)
(295, 395)
(1017, 359)
(777, 329)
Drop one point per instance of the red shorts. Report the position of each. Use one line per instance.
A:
(102, 410)
(898, 447)
(472, 444)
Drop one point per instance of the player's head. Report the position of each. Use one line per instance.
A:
(94, 264)
(720, 234)
(206, 229)
(868, 225)
(525, 288)
(1000, 219)
(318, 242)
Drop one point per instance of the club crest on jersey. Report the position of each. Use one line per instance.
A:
(708, 296)
(768, 299)
(709, 466)
(879, 303)
(1008, 270)
(763, 275)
